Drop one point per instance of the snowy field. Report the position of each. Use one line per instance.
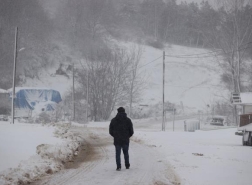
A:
(19, 141)
(195, 158)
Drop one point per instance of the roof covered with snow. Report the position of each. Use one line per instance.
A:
(3, 91)
(30, 97)
(28, 88)
(243, 98)
(246, 98)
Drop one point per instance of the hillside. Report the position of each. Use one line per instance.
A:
(193, 82)
(67, 32)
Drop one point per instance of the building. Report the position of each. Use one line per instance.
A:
(5, 104)
(30, 100)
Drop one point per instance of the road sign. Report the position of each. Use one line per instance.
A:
(170, 110)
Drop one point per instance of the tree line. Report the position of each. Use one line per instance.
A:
(71, 31)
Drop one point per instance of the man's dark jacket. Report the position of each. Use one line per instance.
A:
(121, 128)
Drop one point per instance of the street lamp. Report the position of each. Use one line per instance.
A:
(21, 49)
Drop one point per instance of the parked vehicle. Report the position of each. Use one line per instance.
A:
(246, 127)
(218, 120)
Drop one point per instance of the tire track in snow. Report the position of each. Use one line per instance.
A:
(95, 157)
(148, 167)
(99, 165)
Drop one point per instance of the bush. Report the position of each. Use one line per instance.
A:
(155, 43)
(5, 110)
(44, 118)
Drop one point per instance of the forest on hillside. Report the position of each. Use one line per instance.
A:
(72, 30)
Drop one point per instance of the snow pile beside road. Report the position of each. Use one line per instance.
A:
(65, 152)
(49, 160)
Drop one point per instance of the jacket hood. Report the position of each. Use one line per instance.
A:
(121, 115)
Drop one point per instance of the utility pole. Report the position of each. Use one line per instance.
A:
(87, 95)
(155, 21)
(73, 97)
(14, 75)
(174, 110)
(163, 118)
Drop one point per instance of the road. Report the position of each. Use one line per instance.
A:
(96, 164)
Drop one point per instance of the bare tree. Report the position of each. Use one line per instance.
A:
(107, 71)
(113, 79)
(93, 12)
(136, 81)
(232, 36)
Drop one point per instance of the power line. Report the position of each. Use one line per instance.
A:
(195, 87)
(192, 55)
(207, 54)
(188, 55)
(150, 62)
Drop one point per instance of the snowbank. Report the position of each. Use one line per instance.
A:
(49, 158)
(3, 91)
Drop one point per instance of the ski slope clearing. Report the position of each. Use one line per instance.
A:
(192, 76)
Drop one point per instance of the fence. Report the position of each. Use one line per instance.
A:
(191, 125)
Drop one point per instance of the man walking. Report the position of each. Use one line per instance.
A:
(121, 128)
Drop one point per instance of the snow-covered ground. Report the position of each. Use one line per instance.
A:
(19, 141)
(204, 157)
(29, 151)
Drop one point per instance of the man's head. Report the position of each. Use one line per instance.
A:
(121, 109)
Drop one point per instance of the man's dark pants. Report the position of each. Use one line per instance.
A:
(125, 149)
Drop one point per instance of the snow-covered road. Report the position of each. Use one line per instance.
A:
(99, 165)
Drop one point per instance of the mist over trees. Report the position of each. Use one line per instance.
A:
(70, 31)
